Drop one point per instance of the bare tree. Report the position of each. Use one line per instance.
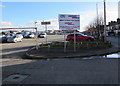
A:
(96, 27)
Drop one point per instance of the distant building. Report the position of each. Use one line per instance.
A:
(114, 26)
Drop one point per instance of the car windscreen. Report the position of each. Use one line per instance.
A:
(14, 36)
(42, 34)
(76, 35)
(80, 35)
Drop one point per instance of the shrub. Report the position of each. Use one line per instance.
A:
(86, 45)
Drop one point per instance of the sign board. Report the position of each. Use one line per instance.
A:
(69, 22)
(45, 23)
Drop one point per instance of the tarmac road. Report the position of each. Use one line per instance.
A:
(114, 40)
(62, 71)
(17, 50)
(59, 71)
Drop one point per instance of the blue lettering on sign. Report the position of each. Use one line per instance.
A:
(62, 16)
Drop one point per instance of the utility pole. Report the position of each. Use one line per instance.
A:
(97, 11)
(97, 20)
(104, 21)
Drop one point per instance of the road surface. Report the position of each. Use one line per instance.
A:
(17, 50)
(114, 40)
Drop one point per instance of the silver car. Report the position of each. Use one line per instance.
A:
(42, 35)
(16, 38)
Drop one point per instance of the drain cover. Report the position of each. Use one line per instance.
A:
(16, 78)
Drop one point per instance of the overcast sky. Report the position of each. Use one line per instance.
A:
(20, 14)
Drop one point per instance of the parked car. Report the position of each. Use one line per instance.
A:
(15, 38)
(25, 34)
(79, 37)
(30, 35)
(3, 38)
(20, 36)
(42, 35)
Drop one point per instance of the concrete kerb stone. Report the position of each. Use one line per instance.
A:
(102, 53)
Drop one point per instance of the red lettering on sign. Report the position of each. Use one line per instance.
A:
(68, 22)
(71, 15)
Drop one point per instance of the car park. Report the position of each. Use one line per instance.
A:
(79, 37)
(42, 35)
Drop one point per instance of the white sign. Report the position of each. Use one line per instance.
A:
(69, 22)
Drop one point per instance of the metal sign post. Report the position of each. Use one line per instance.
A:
(45, 23)
(64, 42)
(46, 32)
(74, 42)
(37, 46)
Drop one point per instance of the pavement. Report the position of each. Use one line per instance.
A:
(58, 53)
(62, 71)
